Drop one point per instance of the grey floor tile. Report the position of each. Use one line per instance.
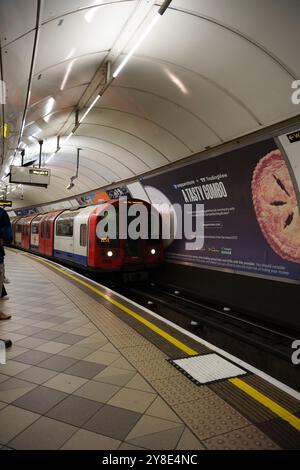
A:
(58, 320)
(44, 434)
(164, 440)
(3, 377)
(30, 342)
(70, 339)
(76, 352)
(85, 369)
(37, 375)
(86, 440)
(13, 388)
(13, 367)
(136, 400)
(40, 400)
(75, 410)
(14, 420)
(58, 363)
(33, 357)
(47, 335)
(65, 382)
(113, 422)
(115, 376)
(97, 391)
(29, 330)
(52, 347)
(188, 441)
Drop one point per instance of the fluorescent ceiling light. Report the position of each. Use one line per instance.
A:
(68, 138)
(89, 15)
(2, 92)
(177, 81)
(89, 109)
(32, 139)
(68, 71)
(71, 53)
(37, 131)
(48, 109)
(29, 124)
(137, 44)
(50, 158)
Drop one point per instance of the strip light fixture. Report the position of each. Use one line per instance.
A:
(156, 18)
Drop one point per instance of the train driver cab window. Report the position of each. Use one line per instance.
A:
(83, 234)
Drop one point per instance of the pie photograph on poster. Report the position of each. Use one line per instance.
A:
(276, 207)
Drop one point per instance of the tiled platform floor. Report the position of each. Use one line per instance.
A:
(77, 377)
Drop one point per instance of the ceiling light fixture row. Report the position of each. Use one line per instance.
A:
(118, 70)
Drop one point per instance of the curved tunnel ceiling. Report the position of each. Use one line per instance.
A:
(209, 72)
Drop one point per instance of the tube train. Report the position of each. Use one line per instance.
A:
(70, 236)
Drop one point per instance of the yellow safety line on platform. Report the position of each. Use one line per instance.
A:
(250, 391)
(267, 402)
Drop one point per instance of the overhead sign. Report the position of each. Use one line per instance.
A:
(39, 172)
(294, 137)
(30, 176)
(4, 203)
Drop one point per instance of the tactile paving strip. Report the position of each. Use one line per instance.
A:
(207, 368)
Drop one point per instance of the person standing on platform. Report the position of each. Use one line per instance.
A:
(5, 237)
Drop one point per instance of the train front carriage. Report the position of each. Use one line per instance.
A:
(115, 253)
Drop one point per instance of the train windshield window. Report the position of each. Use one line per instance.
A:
(110, 221)
(83, 233)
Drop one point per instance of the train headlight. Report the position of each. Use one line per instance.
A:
(153, 251)
(109, 253)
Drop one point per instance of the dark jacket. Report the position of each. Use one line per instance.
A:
(5, 231)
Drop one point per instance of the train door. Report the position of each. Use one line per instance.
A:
(64, 236)
(50, 233)
(81, 234)
(34, 235)
(18, 233)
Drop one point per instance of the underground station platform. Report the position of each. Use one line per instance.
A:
(91, 370)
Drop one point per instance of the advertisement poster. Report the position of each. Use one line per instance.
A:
(251, 215)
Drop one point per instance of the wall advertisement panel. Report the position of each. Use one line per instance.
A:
(251, 215)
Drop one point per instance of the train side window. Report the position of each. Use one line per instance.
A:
(83, 234)
(64, 228)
